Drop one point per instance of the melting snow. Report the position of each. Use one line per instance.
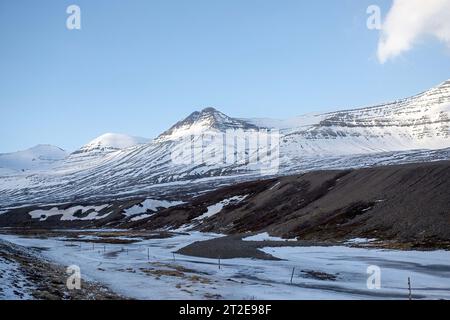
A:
(69, 213)
(265, 237)
(13, 281)
(216, 208)
(275, 185)
(150, 204)
(141, 217)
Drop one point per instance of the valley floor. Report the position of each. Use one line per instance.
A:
(25, 274)
(147, 266)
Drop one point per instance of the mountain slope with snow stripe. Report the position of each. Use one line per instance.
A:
(412, 129)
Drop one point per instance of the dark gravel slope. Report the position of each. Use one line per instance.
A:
(406, 203)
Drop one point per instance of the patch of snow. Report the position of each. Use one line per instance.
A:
(359, 241)
(275, 185)
(184, 228)
(141, 217)
(216, 208)
(68, 214)
(265, 237)
(13, 281)
(150, 204)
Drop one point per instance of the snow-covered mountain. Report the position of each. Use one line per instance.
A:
(100, 148)
(109, 142)
(419, 122)
(37, 158)
(208, 120)
(412, 129)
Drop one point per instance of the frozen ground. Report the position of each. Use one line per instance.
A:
(148, 269)
(12, 281)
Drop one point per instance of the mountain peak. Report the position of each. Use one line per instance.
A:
(47, 148)
(446, 83)
(37, 157)
(112, 142)
(206, 112)
(198, 122)
(210, 110)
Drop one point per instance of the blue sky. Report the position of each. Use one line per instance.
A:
(138, 66)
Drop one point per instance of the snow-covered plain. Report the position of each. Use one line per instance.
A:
(148, 269)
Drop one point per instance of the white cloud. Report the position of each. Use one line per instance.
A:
(408, 21)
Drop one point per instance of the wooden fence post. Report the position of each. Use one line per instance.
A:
(409, 289)
(292, 275)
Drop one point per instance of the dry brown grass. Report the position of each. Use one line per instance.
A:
(176, 271)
